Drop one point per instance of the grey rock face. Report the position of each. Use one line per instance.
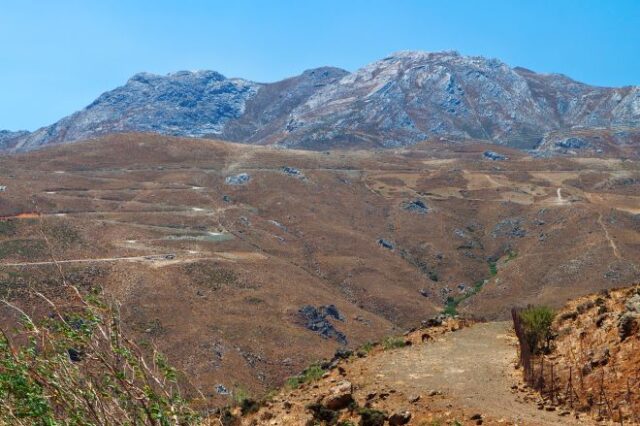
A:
(317, 320)
(239, 179)
(181, 104)
(397, 101)
(9, 139)
(416, 206)
(492, 155)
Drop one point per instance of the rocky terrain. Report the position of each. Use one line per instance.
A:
(438, 374)
(398, 101)
(595, 357)
(245, 264)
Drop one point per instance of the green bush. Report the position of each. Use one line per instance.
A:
(78, 368)
(393, 343)
(537, 321)
(493, 268)
(371, 417)
(367, 347)
(311, 374)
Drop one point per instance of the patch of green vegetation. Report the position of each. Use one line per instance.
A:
(247, 404)
(511, 255)
(366, 348)
(310, 374)
(450, 307)
(7, 228)
(346, 423)
(537, 321)
(493, 268)
(322, 415)
(393, 343)
(371, 417)
(53, 365)
(451, 304)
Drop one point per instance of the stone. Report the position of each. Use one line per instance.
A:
(341, 396)
(414, 398)
(492, 155)
(416, 206)
(400, 418)
(627, 324)
(239, 179)
(385, 244)
(572, 143)
(292, 171)
(633, 303)
(222, 390)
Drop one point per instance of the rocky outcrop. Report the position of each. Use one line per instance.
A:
(9, 139)
(318, 320)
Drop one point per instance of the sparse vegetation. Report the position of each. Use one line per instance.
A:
(211, 276)
(451, 304)
(537, 322)
(243, 400)
(393, 343)
(27, 248)
(78, 368)
(323, 414)
(511, 255)
(63, 234)
(493, 268)
(371, 417)
(310, 374)
(366, 348)
(7, 228)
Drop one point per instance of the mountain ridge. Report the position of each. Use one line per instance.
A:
(399, 100)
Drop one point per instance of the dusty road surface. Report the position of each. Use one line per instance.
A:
(473, 368)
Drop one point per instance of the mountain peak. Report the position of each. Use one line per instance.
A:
(399, 100)
(422, 54)
(185, 76)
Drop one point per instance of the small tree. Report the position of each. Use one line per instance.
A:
(537, 322)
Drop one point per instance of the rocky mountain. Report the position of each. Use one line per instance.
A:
(397, 101)
(7, 138)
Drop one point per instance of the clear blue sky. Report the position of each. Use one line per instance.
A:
(56, 56)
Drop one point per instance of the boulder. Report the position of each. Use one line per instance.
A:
(400, 418)
(572, 143)
(385, 244)
(292, 171)
(626, 325)
(416, 206)
(239, 179)
(492, 155)
(633, 303)
(341, 396)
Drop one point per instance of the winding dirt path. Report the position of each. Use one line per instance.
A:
(612, 243)
(473, 368)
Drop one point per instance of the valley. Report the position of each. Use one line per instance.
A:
(244, 264)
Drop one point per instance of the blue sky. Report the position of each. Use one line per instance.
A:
(56, 56)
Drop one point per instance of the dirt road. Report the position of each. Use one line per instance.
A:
(473, 368)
